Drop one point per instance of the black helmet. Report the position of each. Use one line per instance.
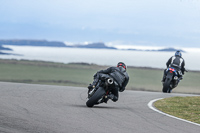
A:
(178, 53)
(121, 64)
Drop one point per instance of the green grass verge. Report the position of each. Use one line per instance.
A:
(187, 108)
(81, 74)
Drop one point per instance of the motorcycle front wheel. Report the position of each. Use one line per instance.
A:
(95, 97)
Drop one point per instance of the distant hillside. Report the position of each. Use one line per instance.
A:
(164, 50)
(4, 53)
(7, 49)
(170, 49)
(4, 48)
(98, 45)
(32, 43)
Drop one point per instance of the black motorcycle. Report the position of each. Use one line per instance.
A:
(172, 79)
(100, 93)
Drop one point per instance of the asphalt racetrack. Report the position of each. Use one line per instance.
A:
(29, 108)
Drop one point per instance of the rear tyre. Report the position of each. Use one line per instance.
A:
(166, 88)
(170, 90)
(95, 97)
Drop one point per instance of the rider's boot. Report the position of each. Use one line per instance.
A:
(105, 100)
(112, 97)
(180, 77)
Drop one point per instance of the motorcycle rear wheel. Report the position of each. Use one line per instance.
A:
(95, 97)
(166, 86)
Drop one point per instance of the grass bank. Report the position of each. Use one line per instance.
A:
(81, 74)
(187, 108)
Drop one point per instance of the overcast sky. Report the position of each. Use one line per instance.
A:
(128, 22)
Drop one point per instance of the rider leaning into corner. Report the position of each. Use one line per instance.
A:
(178, 63)
(119, 75)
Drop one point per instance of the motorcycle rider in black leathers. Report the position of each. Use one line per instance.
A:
(119, 75)
(178, 63)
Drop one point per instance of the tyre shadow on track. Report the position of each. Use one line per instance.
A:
(97, 106)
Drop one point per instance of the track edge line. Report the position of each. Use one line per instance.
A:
(150, 105)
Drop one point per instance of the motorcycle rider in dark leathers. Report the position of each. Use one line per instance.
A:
(119, 75)
(178, 63)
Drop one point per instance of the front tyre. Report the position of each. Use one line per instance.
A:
(95, 97)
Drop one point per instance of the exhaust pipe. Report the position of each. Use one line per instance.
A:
(110, 81)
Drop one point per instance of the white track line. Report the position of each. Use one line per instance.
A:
(150, 105)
